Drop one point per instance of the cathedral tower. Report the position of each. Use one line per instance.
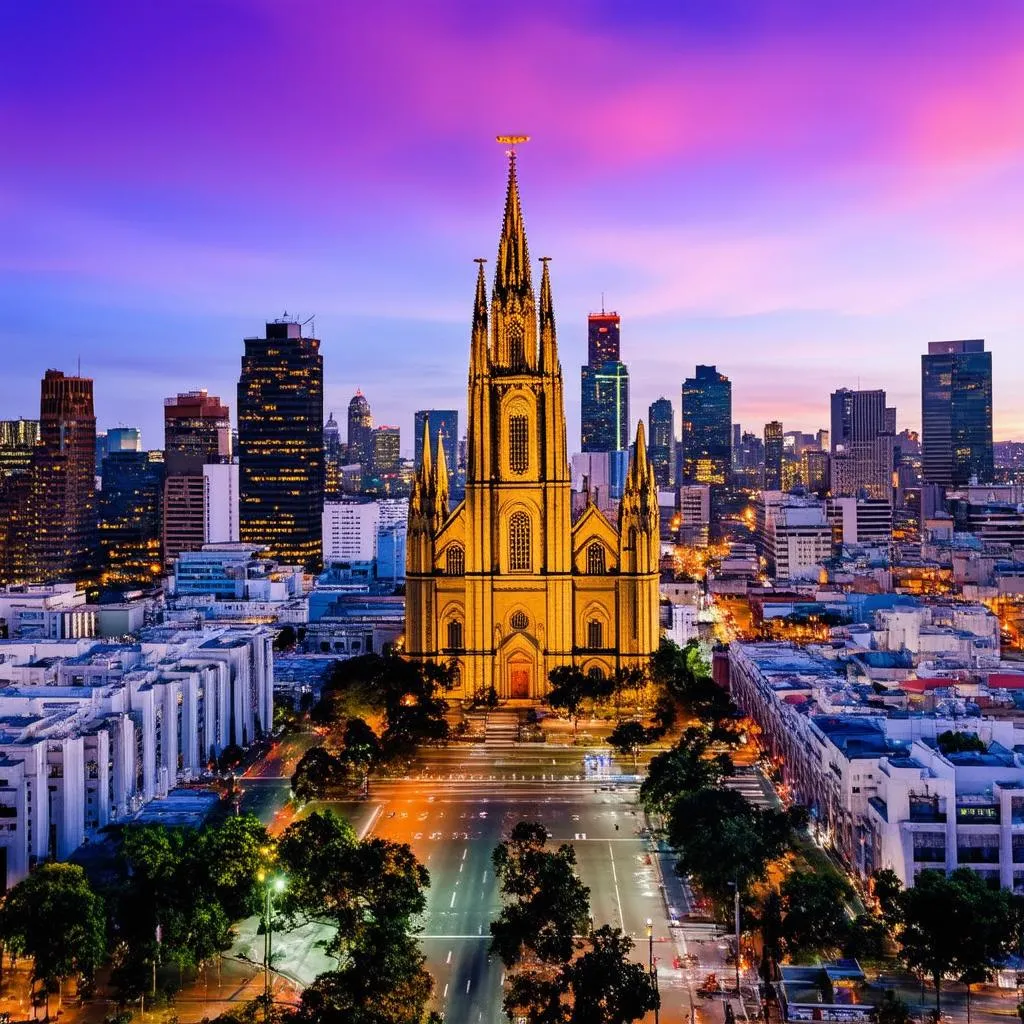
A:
(507, 584)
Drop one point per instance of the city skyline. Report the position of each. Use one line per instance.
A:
(816, 233)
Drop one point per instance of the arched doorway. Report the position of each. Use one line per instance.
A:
(520, 677)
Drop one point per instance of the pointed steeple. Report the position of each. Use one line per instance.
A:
(440, 484)
(513, 270)
(548, 343)
(478, 343)
(426, 467)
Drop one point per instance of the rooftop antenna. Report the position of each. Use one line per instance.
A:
(311, 320)
(602, 302)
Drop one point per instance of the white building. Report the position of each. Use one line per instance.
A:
(89, 732)
(220, 503)
(797, 539)
(350, 531)
(694, 514)
(51, 611)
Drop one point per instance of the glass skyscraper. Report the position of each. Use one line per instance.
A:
(773, 443)
(661, 430)
(956, 413)
(281, 444)
(706, 427)
(438, 421)
(604, 407)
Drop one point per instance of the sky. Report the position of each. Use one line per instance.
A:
(802, 193)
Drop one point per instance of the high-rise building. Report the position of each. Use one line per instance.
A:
(706, 422)
(332, 458)
(604, 408)
(862, 443)
(116, 439)
(197, 433)
(432, 423)
(602, 338)
(65, 543)
(360, 423)
(814, 470)
(18, 440)
(773, 441)
(220, 503)
(956, 413)
(281, 444)
(130, 522)
(384, 450)
(507, 585)
(661, 426)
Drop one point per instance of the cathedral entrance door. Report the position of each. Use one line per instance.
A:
(519, 683)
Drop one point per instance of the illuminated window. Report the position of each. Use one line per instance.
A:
(595, 672)
(516, 346)
(595, 559)
(519, 620)
(519, 542)
(455, 635)
(456, 561)
(518, 443)
(595, 634)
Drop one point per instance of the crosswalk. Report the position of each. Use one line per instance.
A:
(502, 729)
(751, 787)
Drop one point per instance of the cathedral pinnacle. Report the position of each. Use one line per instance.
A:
(513, 270)
(478, 338)
(440, 487)
(548, 347)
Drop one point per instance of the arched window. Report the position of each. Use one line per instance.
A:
(519, 620)
(516, 346)
(455, 635)
(594, 672)
(519, 443)
(519, 542)
(595, 559)
(595, 634)
(455, 564)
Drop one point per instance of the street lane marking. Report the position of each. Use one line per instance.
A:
(485, 877)
(469, 981)
(464, 852)
(615, 879)
(449, 960)
(452, 904)
(444, 994)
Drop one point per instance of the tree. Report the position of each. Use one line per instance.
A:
(54, 917)
(361, 747)
(629, 737)
(317, 772)
(886, 886)
(569, 689)
(953, 926)
(814, 913)
(233, 854)
(285, 639)
(547, 903)
(607, 986)
(951, 742)
(687, 768)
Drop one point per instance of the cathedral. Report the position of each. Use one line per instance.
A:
(506, 584)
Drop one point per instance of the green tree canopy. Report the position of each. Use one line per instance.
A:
(687, 768)
(814, 913)
(317, 773)
(54, 917)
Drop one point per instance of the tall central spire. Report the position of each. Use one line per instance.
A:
(513, 270)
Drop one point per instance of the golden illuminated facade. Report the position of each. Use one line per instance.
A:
(506, 584)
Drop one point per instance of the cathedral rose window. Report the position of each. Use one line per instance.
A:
(519, 620)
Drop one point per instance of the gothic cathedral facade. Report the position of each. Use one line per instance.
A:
(506, 584)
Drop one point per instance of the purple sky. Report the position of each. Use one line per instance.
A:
(803, 193)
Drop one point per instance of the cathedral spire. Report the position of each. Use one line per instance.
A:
(548, 345)
(513, 270)
(478, 343)
(440, 486)
(426, 468)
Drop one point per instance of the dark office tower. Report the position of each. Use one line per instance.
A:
(433, 422)
(197, 432)
(360, 423)
(281, 445)
(706, 427)
(602, 338)
(661, 430)
(332, 458)
(18, 440)
(63, 502)
(130, 523)
(956, 413)
(604, 408)
(773, 444)
(858, 416)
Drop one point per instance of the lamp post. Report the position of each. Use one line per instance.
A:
(736, 922)
(650, 965)
(271, 885)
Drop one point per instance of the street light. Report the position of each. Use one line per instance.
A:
(736, 921)
(271, 885)
(650, 965)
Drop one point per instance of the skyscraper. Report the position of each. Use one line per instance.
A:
(360, 423)
(862, 443)
(956, 413)
(385, 450)
(332, 458)
(773, 441)
(63, 501)
(602, 338)
(432, 422)
(281, 444)
(197, 432)
(706, 422)
(130, 522)
(604, 407)
(661, 425)
(18, 440)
